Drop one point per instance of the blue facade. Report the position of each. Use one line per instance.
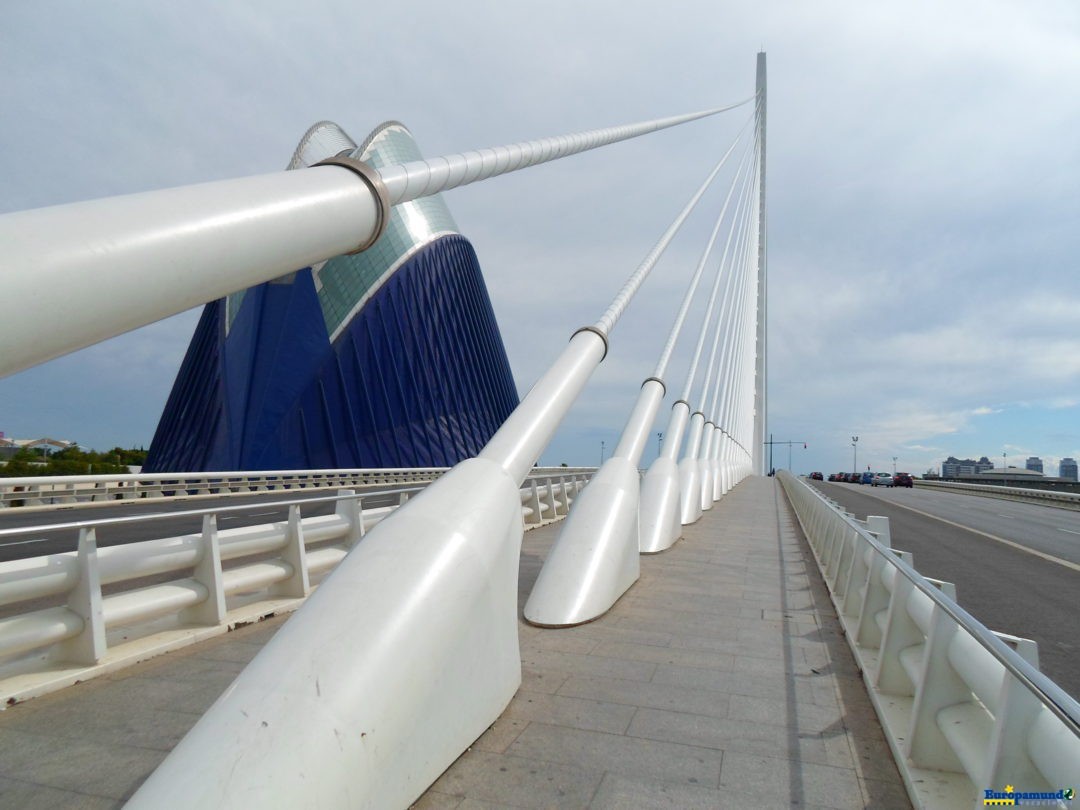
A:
(419, 377)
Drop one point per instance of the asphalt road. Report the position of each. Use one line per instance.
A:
(1007, 586)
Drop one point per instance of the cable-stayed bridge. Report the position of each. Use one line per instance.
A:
(409, 651)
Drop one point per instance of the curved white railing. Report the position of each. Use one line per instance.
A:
(48, 492)
(965, 710)
(57, 626)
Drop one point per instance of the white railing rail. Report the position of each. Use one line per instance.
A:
(965, 710)
(67, 617)
(38, 492)
(1049, 497)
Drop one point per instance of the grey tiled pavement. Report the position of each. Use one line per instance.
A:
(719, 680)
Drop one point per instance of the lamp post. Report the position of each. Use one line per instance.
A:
(659, 442)
(894, 465)
(601, 452)
(854, 454)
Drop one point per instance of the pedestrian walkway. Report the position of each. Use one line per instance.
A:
(720, 680)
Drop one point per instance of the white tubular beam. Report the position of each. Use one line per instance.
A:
(422, 178)
(705, 465)
(89, 271)
(689, 473)
(525, 434)
(761, 389)
(101, 268)
(595, 558)
(402, 658)
(659, 511)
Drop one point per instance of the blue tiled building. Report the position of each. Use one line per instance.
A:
(387, 358)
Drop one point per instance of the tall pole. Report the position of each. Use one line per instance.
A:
(761, 401)
(854, 454)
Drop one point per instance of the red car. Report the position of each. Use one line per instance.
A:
(816, 476)
(903, 480)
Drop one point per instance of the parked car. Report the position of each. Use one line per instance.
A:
(851, 478)
(882, 479)
(866, 478)
(816, 476)
(902, 479)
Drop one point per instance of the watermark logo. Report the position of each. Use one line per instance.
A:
(1011, 797)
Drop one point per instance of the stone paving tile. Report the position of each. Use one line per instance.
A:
(16, 794)
(599, 753)
(619, 792)
(85, 767)
(764, 780)
(648, 695)
(516, 781)
(571, 712)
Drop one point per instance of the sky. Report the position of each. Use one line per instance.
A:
(923, 191)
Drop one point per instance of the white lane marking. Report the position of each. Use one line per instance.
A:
(261, 514)
(24, 542)
(1017, 546)
(1070, 531)
(1008, 516)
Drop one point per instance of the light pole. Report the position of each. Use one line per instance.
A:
(601, 452)
(659, 442)
(854, 454)
(894, 465)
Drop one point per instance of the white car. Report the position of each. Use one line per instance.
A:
(882, 480)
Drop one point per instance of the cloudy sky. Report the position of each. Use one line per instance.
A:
(924, 168)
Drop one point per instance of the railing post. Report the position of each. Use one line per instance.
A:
(900, 632)
(297, 585)
(208, 574)
(351, 509)
(537, 516)
(940, 686)
(85, 600)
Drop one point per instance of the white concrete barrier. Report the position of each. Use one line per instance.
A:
(965, 710)
(60, 628)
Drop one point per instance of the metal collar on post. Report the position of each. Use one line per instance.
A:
(596, 331)
(378, 189)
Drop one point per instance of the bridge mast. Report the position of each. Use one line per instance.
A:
(761, 400)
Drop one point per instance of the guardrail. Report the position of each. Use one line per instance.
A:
(1062, 500)
(78, 614)
(54, 491)
(965, 710)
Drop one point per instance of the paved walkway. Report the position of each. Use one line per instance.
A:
(720, 680)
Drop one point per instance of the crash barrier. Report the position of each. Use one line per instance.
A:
(70, 616)
(50, 492)
(965, 710)
(1062, 500)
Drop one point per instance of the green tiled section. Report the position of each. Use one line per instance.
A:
(345, 280)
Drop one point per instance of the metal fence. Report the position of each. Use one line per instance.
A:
(66, 617)
(965, 710)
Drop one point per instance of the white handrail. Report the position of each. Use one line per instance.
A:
(963, 710)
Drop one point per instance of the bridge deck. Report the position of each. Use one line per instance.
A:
(719, 680)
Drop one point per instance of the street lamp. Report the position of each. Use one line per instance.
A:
(659, 442)
(601, 452)
(894, 465)
(854, 453)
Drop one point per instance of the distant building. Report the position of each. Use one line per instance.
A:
(954, 467)
(1034, 463)
(1067, 469)
(45, 446)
